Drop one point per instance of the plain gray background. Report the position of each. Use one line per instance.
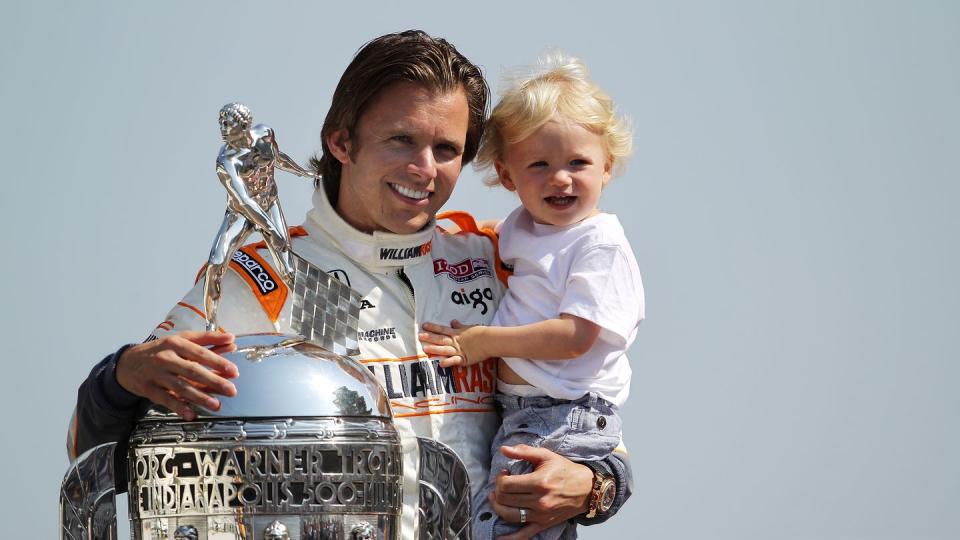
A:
(792, 201)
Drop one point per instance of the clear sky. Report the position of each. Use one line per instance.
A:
(792, 201)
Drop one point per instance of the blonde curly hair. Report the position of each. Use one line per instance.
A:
(557, 85)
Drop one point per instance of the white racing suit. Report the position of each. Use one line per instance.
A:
(404, 281)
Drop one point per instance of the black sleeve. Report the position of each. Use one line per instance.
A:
(106, 412)
(618, 465)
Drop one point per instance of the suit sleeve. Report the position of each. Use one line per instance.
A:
(105, 413)
(618, 465)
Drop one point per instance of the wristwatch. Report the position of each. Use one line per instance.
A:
(604, 490)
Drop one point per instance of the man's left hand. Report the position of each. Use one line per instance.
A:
(556, 490)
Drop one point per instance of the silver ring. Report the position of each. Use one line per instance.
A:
(523, 515)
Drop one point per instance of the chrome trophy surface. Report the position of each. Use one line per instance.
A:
(305, 450)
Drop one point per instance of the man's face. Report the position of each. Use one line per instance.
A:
(404, 158)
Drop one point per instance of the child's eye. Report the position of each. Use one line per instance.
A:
(537, 164)
(580, 162)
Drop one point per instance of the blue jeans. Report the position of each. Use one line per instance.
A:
(585, 429)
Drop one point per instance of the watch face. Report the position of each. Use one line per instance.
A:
(608, 493)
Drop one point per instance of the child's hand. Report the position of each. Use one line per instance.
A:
(456, 343)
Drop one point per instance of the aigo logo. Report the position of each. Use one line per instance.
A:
(475, 298)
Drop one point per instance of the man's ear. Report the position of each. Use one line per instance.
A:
(339, 144)
(504, 175)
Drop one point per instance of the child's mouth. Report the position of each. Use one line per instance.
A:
(561, 201)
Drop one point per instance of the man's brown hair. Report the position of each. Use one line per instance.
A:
(412, 56)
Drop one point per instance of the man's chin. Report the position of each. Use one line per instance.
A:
(410, 226)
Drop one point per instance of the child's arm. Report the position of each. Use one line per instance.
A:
(553, 339)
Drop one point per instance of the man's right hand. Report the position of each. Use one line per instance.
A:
(179, 370)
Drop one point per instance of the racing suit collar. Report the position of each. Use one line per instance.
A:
(380, 249)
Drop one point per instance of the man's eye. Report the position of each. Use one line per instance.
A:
(405, 139)
(448, 151)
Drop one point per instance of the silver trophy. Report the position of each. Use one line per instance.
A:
(307, 448)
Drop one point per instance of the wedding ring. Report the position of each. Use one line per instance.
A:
(523, 515)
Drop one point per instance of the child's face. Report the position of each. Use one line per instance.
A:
(558, 172)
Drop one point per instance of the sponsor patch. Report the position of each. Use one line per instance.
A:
(463, 271)
(476, 298)
(267, 286)
(378, 334)
(341, 276)
(402, 254)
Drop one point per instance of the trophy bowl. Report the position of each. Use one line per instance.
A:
(305, 450)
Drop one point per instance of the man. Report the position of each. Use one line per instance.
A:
(406, 116)
(245, 167)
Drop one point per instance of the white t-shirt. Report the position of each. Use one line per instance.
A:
(587, 270)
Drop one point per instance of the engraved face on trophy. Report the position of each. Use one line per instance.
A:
(186, 532)
(276, 531)
(363, 531)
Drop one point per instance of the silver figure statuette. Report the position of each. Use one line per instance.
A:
(245, 167)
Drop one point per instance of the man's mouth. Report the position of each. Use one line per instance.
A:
(561, 201)
(409, 193)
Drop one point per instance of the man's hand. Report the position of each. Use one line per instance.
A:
(458, 343)
(179, 370)
(556, 490)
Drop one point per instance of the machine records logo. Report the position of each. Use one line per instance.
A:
(463, 271)
(378, 334)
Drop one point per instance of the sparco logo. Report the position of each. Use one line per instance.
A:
(463, 271)
(474, 298)
(259, 274)
(402, 254)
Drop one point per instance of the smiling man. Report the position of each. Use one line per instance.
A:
(407, 115)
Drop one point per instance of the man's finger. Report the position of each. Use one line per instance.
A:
(201, 337)
(191, 394)
(160, 396)
(201, 376)
(188, 350)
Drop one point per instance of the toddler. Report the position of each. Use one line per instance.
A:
(575, 298)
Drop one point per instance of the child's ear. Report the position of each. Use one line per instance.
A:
(504, 175)
(607, 170)
(339, 144)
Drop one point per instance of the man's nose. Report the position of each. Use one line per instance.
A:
(423, 164)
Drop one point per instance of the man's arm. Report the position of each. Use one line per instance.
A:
(553, 339)
(556, 490)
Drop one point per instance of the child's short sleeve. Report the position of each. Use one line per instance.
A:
(604, 287)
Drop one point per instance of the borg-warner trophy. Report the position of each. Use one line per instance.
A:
(307, 448)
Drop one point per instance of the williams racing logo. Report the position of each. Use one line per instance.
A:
(463, 271)
(402, 254)
(423, 387)
(260, 276)
(477, 298)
